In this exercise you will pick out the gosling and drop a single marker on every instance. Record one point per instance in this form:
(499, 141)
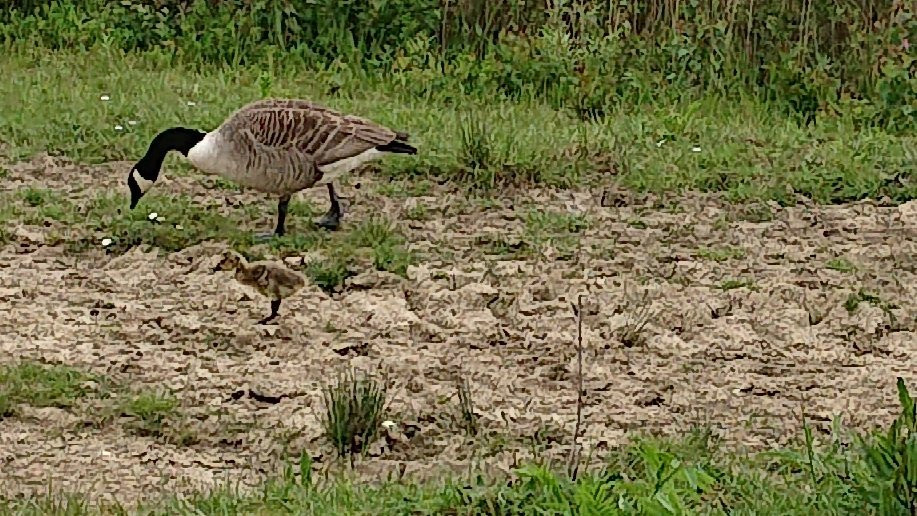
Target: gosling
(272, 280)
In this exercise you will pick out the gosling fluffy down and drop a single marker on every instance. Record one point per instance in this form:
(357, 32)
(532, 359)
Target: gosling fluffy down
(275, 146)
(270, 279)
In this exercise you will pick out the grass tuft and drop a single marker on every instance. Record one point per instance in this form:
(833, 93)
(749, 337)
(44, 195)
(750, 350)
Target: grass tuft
(354, 408)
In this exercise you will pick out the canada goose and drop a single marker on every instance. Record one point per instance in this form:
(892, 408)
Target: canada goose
(269, 279)
(276, 146)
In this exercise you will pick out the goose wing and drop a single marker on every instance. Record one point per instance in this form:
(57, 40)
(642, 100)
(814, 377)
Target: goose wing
(321, 134)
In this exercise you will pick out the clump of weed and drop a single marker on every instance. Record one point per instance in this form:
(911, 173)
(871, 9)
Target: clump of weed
(328, 273)
(631, 333)
(841, 265)
(477, 154)
(152, 414)
(36, 197)
(720, 254)
(353, 412)
(862, 296)
(732, 284)
(386, 245)
(417, 212)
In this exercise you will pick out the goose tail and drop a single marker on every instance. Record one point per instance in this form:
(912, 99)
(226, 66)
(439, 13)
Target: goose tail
(397, 146)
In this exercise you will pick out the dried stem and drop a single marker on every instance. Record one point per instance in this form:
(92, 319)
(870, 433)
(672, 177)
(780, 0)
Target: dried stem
(573, 465)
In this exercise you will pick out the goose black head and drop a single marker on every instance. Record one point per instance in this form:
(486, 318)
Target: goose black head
(144, 174)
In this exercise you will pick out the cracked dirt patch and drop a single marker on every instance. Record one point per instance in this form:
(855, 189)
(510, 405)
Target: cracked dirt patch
(695, 312)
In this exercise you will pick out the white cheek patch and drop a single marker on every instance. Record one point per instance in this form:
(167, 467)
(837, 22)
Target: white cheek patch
(144, 184)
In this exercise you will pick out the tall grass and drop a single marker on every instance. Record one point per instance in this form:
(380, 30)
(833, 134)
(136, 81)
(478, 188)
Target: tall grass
(805, 56)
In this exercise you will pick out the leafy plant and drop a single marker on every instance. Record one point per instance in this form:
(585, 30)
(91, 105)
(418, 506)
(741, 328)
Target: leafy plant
(888, 480)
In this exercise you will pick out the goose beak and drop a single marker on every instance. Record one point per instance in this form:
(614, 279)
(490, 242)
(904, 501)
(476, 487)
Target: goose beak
(134, 187)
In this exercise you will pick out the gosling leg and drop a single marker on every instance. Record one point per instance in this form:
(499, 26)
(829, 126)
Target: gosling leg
(275, 306)
(280, 230)
(332, 220)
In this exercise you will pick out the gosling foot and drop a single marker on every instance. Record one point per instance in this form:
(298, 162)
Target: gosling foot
(275, 306)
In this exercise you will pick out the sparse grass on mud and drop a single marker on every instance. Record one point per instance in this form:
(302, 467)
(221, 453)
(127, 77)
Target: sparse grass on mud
(44, 386)
(143, 413)
(844, 473)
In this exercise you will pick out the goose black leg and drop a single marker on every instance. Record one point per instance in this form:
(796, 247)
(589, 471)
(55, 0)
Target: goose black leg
(280, 230)
(332, 220)
(275, 305)
(282, 215)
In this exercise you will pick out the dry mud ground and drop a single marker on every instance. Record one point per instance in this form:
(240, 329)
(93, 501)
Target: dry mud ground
(742, 360)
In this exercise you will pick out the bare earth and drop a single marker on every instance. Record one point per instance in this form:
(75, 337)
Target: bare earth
(744, 361)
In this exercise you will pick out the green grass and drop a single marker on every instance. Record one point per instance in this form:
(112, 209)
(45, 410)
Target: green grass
(841, 265)
(40, 385)
(854, 300)
(477, 139)
(841, 473)
(181, 222)
(720, 254)
(734, 283)
(558, 229)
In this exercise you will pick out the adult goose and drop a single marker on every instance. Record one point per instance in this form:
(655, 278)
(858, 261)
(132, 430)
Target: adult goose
(276, 146)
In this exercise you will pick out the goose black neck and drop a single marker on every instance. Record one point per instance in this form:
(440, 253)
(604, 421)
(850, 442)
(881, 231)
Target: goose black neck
(175, 139)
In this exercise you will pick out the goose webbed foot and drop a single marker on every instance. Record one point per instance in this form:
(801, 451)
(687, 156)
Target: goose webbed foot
(332, 220)
(275, 306)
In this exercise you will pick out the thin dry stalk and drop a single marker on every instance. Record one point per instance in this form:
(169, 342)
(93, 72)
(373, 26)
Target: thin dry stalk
(466, 404)
(574, 460)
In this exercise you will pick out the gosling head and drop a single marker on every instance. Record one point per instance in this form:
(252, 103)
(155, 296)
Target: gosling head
(229, 261)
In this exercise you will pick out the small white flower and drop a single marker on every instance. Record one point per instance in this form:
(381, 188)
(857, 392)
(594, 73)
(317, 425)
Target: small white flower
(119, 128)
(192, 103)
(152, 215)
(131, 122)
(388, 424)
(179, 227)
(160, 219)
(106, 242)
(695, 149)
(660, 142)
(105, 98)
